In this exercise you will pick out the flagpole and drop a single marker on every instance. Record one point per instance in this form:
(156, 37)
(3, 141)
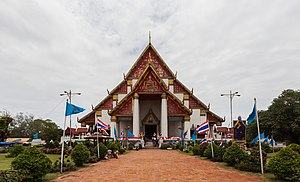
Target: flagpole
(62, 145)
(259, 142)
(98, 141)
(211, 143)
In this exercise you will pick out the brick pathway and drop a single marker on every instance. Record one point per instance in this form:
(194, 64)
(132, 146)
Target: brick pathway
(156, 165)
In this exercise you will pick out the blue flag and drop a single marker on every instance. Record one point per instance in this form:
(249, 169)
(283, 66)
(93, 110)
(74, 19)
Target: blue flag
(262, 135)
(252, 116)
(194, 136)
(130, 135)
(272, 141)
(266, 140)
(115, 132)
(35, 136)
(72, 109)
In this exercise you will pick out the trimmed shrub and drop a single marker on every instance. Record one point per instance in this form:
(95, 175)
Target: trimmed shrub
(80, 154)
(15, 151)
(66, 167)
(165, 146)
(12, 175)
(196, 149)
(33, 162)
(218, 153)
(92, 159)
(112, 146)
(102, 150)
(178, 144)
(294, 147)
(233, 155)
(285, 165)
(252, 162)
(202, 148)
(122, 151)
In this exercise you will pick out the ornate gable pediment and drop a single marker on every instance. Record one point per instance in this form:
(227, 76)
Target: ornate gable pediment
(175, 108)
(149, 82)
(150, 55)
(125, 108)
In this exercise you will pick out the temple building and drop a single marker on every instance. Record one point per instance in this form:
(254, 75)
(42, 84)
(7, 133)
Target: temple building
(150, 99)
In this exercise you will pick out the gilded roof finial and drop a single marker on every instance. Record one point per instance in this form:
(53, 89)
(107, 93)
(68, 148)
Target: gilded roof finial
(149, 37)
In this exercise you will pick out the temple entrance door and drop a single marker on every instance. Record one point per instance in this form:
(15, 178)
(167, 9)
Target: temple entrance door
(149, 131)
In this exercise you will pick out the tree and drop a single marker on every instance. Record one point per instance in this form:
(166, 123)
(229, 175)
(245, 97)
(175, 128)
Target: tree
(282, 117)
(26, 126)
(4, 123)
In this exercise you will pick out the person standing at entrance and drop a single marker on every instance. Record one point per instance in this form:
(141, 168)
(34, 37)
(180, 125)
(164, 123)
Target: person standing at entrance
(154, 139)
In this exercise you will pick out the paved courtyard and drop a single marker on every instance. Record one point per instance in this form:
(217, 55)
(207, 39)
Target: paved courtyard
(156, 165)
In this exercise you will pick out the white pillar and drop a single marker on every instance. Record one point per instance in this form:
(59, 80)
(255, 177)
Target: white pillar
(187, 126)
(136, 115)
(112, 127)
(164, 115)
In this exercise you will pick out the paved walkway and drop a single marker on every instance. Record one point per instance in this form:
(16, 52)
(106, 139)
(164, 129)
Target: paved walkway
(156, 165)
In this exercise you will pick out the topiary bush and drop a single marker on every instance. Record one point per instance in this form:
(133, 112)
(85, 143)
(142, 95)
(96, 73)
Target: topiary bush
(165, 146)
(285, 165)
(12, 175)
(196, 149)
(113, 146)
(15, 151)
(218, 153)
(252, 162)
(80, 154)
(102, 150)
(202, 148)
(233, 155)
(294, 147)
(33, 162)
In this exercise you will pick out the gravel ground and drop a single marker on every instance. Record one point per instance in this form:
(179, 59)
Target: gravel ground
(156, 165)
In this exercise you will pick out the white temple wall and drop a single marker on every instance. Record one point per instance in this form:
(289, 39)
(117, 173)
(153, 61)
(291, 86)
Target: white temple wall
(121, 96)
(195, 117)
(133, 82)
(166, 81)
(179, 96)
(173, 124)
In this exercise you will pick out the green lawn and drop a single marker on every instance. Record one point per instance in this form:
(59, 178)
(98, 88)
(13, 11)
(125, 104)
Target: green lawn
(5, 162)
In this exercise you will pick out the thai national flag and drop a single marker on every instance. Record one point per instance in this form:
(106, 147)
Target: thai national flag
(101, 125)
(203, 128)
(204, 140)
(122, 133)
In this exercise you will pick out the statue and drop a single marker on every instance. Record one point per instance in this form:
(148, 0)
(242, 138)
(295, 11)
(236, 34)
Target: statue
(240, 129)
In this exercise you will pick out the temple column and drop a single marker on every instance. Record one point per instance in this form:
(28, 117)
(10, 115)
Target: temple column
(113, 120)
(187, 126)
(164, 115)
(136, 115)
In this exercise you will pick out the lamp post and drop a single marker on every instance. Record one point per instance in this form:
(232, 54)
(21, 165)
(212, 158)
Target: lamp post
(126, 129)
(231, 95)
(69, 94)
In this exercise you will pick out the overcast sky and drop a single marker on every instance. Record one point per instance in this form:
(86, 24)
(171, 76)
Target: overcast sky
(46, 47)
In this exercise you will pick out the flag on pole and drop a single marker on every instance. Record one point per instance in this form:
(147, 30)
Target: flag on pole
(272, 142)
(122, 134)
(252, 116)
(35, 136)
(194, 136)
(101, 124)
(184, 134)
(72, 109)
(204, 140)
(203, 128)
(115, 132)
(130, 135)
(262, 135)
(266, 140)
